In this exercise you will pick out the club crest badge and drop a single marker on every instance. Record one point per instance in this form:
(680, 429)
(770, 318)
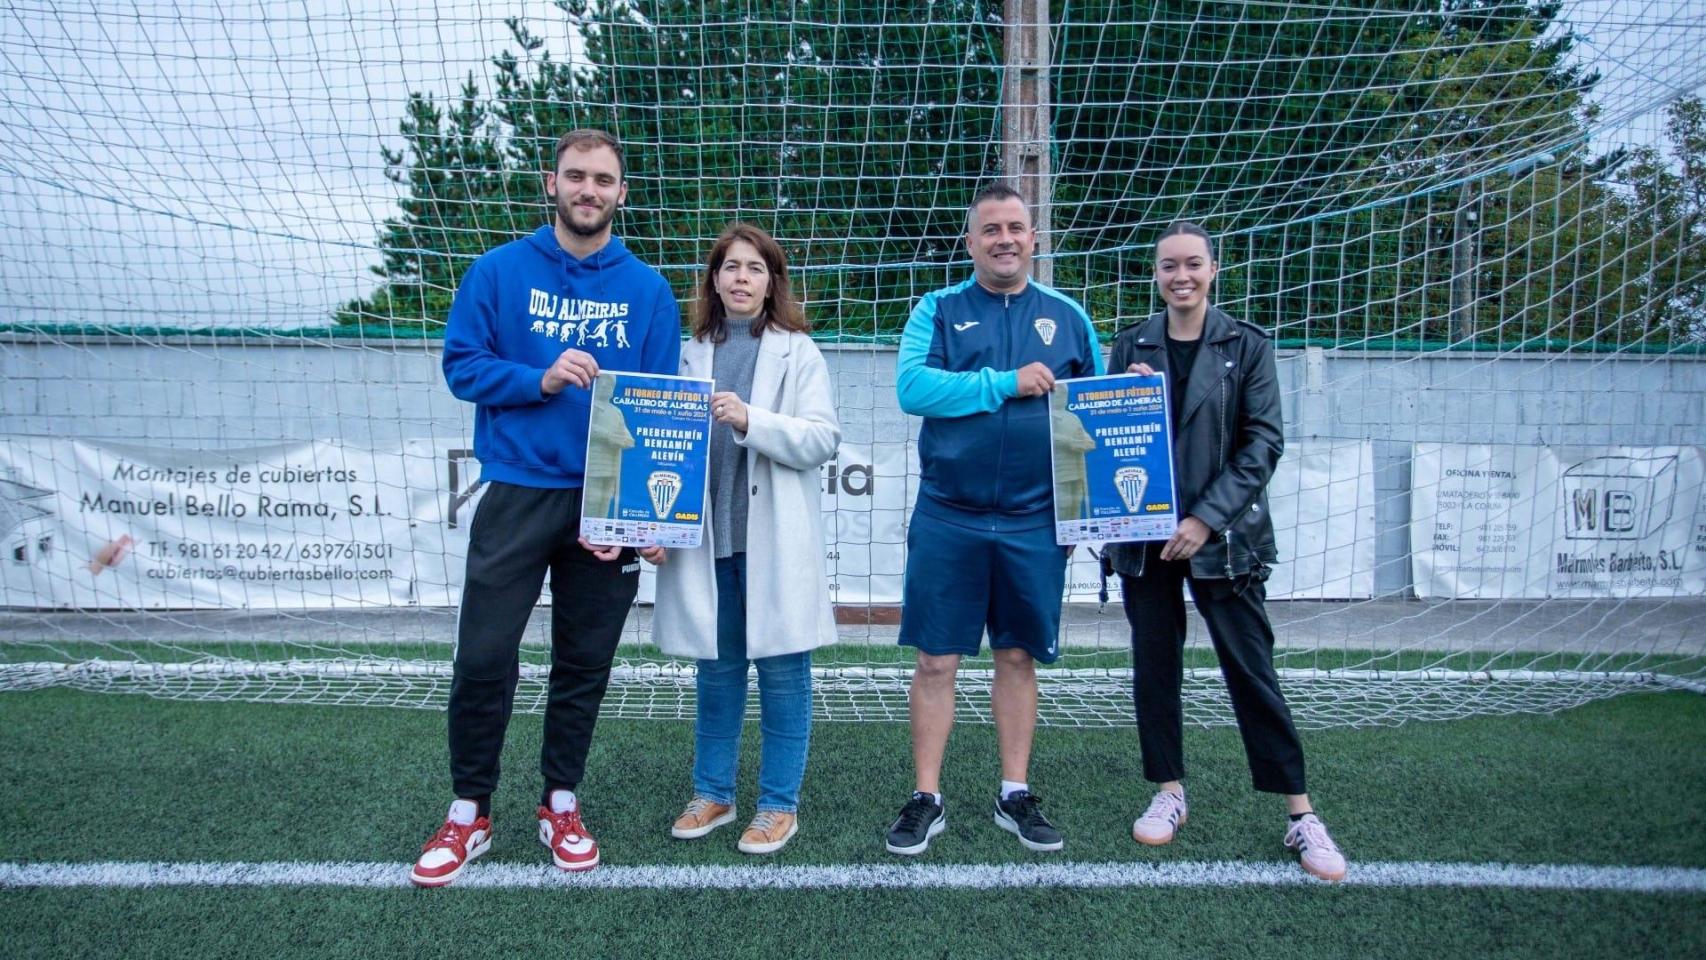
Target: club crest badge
(1045, 329)
(664, 486)
(1131, 483)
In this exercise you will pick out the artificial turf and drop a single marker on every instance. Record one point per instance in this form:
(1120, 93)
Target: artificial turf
(102, 778)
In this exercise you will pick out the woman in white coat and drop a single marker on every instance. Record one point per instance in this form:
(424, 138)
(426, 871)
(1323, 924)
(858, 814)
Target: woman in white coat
(757, 590)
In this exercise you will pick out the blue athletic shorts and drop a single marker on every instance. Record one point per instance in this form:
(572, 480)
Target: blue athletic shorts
(961, 579)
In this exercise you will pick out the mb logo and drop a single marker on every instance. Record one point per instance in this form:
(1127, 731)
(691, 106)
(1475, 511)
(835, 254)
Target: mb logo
(1618, 498)
(1601, 512)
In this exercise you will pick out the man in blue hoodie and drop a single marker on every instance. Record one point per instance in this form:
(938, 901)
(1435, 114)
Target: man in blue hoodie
(532, 324)
(977, 361)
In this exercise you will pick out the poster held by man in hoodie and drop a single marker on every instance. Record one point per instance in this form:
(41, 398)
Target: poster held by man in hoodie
(1112, 455)
(647, 457)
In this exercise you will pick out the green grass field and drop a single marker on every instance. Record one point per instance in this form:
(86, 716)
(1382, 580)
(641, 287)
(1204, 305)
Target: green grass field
(121, 778)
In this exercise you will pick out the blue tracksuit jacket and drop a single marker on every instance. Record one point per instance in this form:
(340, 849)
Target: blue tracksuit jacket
(983, 452)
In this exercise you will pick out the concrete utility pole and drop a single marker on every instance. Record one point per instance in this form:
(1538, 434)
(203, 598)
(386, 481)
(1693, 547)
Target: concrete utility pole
(1025, 155)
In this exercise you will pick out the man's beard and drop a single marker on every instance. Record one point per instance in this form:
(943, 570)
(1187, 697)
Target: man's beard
(563, 217)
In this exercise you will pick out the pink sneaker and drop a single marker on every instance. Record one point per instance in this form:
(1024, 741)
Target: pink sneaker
(1316, 852)
(572, 848)
(1166, 814)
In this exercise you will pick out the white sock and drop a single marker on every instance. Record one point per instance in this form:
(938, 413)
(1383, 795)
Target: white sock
(1010, 787)
(562, 801)
(464, 812)
(935, 796)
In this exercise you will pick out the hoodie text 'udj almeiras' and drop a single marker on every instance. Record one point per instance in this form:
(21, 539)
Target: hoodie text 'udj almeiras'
(518, 308)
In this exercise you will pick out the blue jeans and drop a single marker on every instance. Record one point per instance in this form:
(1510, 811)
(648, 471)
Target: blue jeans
(784, 707)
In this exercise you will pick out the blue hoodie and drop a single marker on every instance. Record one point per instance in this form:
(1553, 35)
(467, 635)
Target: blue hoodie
(518, 308)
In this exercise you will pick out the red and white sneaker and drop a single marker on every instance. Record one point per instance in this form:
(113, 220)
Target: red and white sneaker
(449, 850)
(1316, 852)
(572, 848)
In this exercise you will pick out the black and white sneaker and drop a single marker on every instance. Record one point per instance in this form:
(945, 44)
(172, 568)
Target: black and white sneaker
(1020, 814)
(921, 819)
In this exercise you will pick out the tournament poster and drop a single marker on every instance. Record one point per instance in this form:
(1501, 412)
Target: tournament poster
(647, 460)
(1112, 455)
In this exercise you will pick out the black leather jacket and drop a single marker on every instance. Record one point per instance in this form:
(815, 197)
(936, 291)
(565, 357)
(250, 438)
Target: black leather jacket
(1229, 440)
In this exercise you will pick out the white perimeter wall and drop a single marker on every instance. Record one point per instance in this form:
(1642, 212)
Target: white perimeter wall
(214, 392)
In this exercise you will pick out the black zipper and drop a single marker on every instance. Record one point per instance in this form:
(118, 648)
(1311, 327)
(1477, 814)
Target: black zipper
(1223, 433)
(1001, 451)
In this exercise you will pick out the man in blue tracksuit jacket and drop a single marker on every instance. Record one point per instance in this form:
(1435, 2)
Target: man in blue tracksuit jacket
(532, 324)
(977, 361)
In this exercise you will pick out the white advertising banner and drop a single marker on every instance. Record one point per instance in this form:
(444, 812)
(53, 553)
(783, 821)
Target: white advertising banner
(323, 524)
(1507, 522)
(1322, 498)
(868, 491)
(105, 526)
(439, 536)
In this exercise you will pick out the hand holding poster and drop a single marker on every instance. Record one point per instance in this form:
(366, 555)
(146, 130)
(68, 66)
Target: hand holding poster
(647, 453)
(1112, 454)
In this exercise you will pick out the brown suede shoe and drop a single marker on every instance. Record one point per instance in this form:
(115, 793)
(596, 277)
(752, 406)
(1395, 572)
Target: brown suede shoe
(768, 832)
(701, 817)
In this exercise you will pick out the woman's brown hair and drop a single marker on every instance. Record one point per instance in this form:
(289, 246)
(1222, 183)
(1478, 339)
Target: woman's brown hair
(780, 309)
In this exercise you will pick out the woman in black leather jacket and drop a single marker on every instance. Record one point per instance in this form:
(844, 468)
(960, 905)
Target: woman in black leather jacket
(1227, 438)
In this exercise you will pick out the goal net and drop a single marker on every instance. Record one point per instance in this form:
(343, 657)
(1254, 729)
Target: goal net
(230, 468)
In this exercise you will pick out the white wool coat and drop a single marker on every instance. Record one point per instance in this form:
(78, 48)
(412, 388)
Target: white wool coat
(791, 430)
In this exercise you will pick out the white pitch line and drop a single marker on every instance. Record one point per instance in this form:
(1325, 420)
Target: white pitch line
(858, 876)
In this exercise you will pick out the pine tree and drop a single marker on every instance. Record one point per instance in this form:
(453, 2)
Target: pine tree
(1339, 149)
(460, 203)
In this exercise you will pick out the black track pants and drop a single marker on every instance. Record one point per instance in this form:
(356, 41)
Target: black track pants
(518, 534)
(1243, 640)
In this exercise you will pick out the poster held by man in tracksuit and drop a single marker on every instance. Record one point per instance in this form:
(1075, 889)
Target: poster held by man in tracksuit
(1112, 455)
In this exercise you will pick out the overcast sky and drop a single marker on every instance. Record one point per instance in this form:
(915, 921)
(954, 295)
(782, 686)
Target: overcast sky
(216, 162)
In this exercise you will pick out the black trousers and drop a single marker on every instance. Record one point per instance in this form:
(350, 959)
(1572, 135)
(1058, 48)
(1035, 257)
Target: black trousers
(518, 534)
(1243, 640)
